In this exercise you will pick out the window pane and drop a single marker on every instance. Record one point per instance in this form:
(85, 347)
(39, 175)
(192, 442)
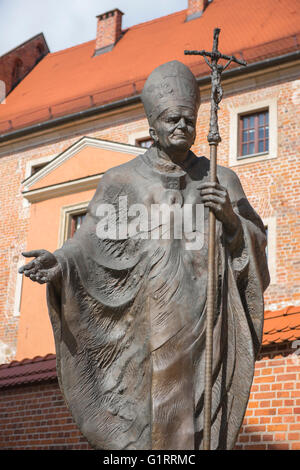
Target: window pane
(245, 136)
(252, 121)
(251, 135)
(261, 133)
(267, 117)
(261, 119)
(244, 149)
(261, 146)
(36, 168)
(267, 132)
(251, 148)
(145, 143)
(76, 222)
(245, 122)
(267, 146)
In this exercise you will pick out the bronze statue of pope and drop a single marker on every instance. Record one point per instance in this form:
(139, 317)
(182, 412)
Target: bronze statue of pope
(129, 313)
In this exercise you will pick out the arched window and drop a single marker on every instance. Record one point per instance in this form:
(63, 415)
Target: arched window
(40, 49)
(17, 72)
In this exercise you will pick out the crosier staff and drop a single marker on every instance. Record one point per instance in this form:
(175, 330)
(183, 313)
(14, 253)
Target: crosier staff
(213, 139)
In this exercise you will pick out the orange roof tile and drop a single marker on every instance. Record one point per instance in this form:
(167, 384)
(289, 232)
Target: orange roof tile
(28, 371)
(72, 79)
(282, 325)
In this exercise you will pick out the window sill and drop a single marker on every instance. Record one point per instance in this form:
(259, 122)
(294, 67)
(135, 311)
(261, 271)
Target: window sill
(252, 155)
(257, 157)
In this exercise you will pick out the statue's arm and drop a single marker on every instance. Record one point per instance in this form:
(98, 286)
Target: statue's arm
(248, 241)
(240, 203)
(229, 203)
(43, 269)
(47, 267)
(221, 198)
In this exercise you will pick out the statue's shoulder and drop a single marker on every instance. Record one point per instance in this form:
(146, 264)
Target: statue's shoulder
(118, 178)
(230, 180)
(226, 176)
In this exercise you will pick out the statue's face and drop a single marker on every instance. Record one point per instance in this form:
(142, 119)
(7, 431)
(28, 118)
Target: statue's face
(175, 129)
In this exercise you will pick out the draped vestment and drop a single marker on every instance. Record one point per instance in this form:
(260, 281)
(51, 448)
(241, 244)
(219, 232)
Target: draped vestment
(129, 316)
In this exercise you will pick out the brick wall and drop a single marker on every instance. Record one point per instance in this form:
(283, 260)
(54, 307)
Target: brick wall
(272, 420)
(35, 417)
(20, 61)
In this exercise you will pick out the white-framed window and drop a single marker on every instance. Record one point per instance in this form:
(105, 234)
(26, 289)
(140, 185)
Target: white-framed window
(271, 228)
(33, 166)
(145, 143)
(253, 132)
(140, 139)
(18, 290)
(253, 138)
(72, 217)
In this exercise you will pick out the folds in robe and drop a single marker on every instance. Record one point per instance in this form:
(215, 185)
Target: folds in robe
(129, 317)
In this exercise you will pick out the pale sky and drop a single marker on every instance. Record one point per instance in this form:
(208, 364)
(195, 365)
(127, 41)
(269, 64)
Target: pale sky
(66, 23)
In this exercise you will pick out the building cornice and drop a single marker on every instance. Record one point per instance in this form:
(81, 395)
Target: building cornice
(62, 189)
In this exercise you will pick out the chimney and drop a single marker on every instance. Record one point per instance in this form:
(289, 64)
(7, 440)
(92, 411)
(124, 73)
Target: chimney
(109, 31)
(196, 8)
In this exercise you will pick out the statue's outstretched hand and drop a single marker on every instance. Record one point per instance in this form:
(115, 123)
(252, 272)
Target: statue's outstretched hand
(44, 268)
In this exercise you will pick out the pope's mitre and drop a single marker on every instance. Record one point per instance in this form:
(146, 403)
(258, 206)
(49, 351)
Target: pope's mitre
(170, 84)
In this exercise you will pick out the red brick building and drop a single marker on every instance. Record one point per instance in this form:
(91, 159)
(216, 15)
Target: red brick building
(16, 64)
(77, 113)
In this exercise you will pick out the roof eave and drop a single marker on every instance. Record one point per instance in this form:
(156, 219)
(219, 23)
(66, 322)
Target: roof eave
(230, 73)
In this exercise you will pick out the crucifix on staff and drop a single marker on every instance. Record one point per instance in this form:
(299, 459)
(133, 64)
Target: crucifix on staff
(214, 139)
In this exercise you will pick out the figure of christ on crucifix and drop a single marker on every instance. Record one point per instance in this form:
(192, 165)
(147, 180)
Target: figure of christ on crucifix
(129, 314)
(216, 86)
